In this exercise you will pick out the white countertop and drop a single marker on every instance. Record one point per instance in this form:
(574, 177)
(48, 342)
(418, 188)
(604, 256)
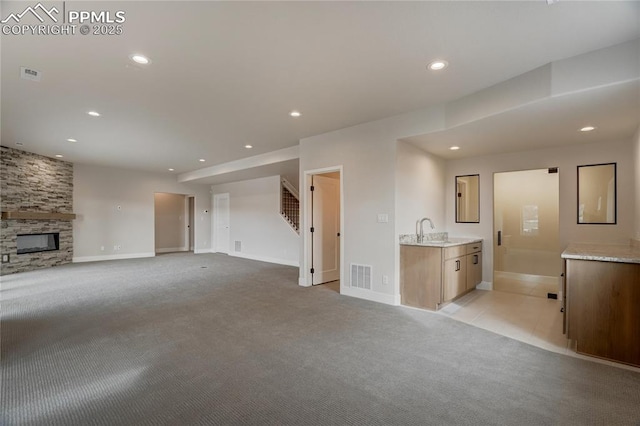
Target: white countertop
(603, 252)
(450, 242)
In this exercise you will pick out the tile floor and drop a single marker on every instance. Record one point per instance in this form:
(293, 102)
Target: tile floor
(533, 320)
(530, 319)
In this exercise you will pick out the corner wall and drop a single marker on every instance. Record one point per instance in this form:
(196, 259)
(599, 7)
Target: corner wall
(115, 208)
(255, 222)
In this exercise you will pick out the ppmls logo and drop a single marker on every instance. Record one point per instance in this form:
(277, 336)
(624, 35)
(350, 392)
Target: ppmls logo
(33, 11)
(40, 20)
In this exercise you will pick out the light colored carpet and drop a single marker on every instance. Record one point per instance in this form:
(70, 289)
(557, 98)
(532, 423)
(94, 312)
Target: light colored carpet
(186, 339)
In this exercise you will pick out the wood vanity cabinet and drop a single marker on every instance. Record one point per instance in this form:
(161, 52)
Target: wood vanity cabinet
(431, 276)
(474, 265)
(602, 311)
(455, 272)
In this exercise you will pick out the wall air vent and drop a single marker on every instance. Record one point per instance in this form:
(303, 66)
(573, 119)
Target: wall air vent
(238, 246)
(30, 74)
(361, 276)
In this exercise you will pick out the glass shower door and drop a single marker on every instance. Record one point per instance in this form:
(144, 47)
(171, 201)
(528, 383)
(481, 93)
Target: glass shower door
(526, 225)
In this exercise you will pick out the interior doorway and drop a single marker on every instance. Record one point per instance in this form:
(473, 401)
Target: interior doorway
(324, 207)
(221, 233)
(526, 224)
(173, 222)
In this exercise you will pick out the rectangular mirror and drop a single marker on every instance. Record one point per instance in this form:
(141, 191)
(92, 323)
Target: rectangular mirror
(468, 199)
(597, 194)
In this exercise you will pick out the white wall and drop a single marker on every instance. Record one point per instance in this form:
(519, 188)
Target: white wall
(420, 185)
(567, 158)
(170, 222)
(100, 225)
(367, 154)
(255, 221)
(636, 142)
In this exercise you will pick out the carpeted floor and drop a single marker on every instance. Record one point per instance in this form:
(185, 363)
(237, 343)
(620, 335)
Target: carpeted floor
(207, 339)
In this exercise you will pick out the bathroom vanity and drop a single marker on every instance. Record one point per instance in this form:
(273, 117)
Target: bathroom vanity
(433, 273)
(602, 300)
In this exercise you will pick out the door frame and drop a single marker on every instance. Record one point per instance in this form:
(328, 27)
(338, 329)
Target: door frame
(214, 220)
(305, 278)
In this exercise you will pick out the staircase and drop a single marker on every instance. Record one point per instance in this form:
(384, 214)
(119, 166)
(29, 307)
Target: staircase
(290, 204)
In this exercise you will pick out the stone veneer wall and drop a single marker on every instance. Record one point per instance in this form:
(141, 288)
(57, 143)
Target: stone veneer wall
(34, 183)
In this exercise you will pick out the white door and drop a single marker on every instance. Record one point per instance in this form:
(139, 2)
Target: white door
(221, 219)
(325, 221)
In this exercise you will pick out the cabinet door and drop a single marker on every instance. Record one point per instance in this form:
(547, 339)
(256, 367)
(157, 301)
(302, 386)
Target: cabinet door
(474, 270)
(455, 277)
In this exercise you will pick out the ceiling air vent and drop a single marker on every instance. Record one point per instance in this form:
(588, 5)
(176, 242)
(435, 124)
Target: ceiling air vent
(30, 74)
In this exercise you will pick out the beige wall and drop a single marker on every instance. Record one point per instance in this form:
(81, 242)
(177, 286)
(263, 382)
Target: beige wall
(101, 225)
(636, 142)
(170, 222)
(567, 158)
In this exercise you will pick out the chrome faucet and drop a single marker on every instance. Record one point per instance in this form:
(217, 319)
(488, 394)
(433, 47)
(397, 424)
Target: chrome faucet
(420, 232)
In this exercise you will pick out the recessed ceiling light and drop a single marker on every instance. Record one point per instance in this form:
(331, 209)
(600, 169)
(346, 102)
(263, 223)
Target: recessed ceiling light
(587, 129)
(438, 65)
(171, 170)
(295, 113)
(454, 148)
(248, 146)
(94, 113)
(202, 160)
(139, 59)
(59, 156)
(71, 140)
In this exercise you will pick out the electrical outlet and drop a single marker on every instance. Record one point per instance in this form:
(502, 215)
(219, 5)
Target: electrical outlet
(5, 258)
(101, 248)
(385, 279)
(383, 218)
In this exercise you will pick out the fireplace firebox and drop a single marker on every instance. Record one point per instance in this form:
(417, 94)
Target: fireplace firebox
(34, 243)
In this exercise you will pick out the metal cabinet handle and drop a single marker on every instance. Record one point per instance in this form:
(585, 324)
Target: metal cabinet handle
(457, 265)
(499, 238)
(475, 259)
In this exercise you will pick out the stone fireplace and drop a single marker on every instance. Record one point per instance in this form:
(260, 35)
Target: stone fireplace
(36, 200)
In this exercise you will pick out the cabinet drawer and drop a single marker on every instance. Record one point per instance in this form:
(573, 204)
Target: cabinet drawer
(455, 251)
(474, 247)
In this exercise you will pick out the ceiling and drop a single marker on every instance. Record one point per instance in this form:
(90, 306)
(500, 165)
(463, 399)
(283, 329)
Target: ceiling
(553, 121)
(227, 74)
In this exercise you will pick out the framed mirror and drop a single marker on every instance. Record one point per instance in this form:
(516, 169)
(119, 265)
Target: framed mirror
(597, 189)
(468, 199)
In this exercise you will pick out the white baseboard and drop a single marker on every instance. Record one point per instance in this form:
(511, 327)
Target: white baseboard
(485, 285)
(302, 282)
(201, 251)
(374, 296)
(171, 249)
(111, 257)
(264, 258)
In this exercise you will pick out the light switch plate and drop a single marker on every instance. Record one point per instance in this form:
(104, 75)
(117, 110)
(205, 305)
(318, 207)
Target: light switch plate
(383, 218)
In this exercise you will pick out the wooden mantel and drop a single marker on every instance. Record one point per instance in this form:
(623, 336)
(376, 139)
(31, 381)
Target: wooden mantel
(38, 215)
